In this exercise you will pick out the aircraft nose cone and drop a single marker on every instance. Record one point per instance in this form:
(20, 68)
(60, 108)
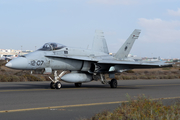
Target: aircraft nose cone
(17, 63)
(9, 64)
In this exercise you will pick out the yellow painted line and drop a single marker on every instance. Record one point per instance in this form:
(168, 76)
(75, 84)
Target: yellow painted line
(168, 98)
(77, 105)
(37, 89)
(83, 88)
(149, 85)
(22, 90)
(65, 106)
(159, 85)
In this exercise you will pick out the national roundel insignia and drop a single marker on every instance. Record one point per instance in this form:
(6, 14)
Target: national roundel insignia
(125, 48)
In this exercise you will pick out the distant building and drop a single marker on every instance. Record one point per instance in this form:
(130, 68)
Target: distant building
(11, 53)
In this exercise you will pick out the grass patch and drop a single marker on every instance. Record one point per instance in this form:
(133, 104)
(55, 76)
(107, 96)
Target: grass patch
(25, 77)
(166, 68)
(129, 71)
(142, 108)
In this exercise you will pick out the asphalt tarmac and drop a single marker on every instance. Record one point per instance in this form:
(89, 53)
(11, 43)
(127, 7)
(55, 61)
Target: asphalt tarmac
(35, 100)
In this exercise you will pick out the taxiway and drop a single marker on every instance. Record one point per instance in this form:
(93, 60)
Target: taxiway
(35, 100)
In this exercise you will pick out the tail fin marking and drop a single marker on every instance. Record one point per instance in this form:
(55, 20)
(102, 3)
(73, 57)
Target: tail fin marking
(123, 52)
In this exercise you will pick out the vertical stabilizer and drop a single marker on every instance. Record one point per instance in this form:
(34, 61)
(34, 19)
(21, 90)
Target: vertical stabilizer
(99, 43)
(126, 47)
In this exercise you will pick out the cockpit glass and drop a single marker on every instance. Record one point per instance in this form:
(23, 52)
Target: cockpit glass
(52, 46)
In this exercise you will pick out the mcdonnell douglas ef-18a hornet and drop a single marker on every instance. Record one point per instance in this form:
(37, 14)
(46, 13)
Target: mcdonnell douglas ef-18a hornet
(84, 65)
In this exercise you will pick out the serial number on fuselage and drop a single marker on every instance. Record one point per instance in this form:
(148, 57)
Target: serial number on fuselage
(36, 62)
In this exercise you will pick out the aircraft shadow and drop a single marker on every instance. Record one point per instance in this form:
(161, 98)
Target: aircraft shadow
(100, 87)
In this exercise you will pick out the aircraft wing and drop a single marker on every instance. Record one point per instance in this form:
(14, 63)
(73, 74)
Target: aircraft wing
(85, 58)
(112, 62)
(133, 64)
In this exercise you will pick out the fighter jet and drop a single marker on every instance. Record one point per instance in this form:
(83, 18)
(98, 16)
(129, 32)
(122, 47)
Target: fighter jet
(84, 65)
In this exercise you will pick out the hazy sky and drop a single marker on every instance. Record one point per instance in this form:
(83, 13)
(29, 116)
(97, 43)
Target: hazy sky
(31, 23)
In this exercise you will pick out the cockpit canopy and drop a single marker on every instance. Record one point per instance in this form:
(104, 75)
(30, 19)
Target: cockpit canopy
(51, 46)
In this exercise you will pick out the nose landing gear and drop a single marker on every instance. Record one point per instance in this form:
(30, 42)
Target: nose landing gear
(55, 84)
(52, 85)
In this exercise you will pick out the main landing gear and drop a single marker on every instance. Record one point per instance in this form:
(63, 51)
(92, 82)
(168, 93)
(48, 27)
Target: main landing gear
(113, 83)
(55, 84)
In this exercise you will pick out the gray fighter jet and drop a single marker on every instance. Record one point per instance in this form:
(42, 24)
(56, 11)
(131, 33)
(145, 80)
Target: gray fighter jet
(84, 65)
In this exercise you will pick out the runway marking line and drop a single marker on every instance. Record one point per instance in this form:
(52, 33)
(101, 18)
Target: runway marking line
(158, 85)
(150, 85)
(21, 90)
(81, 88)
(77, 105)
(36, 89)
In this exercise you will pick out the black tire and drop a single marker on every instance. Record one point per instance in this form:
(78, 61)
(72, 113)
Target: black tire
(113, 83)
(78, 84)
(58, 85)
(52, 85)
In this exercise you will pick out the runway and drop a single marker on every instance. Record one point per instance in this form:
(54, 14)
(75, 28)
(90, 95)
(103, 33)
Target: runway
(35, 100)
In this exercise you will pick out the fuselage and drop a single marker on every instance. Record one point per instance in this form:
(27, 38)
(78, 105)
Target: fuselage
(38, 60)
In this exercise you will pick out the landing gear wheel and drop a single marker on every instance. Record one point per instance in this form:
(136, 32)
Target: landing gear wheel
(113, 83)
(52, 85)
(78, 84)
(58, 85)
